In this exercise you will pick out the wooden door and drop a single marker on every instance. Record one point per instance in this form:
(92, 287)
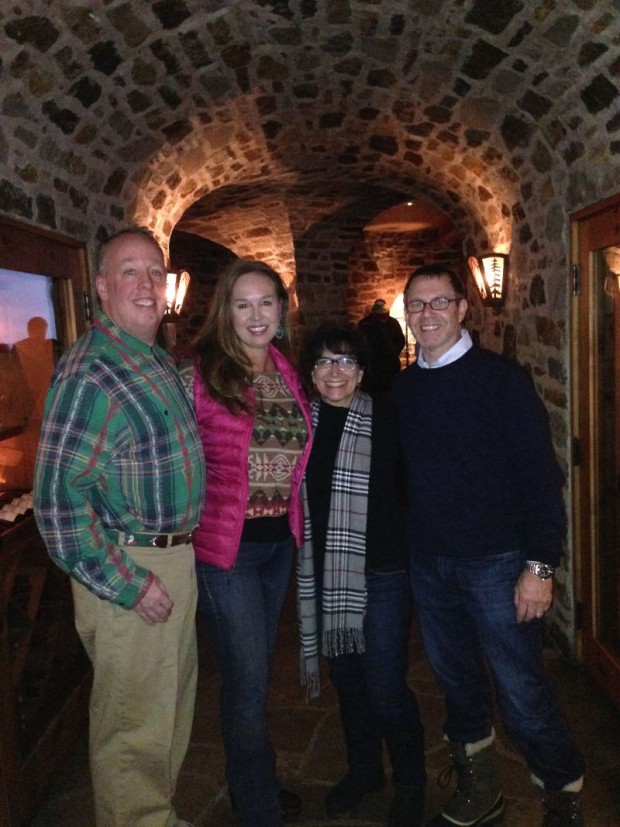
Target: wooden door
(44, 672)
(596, 400)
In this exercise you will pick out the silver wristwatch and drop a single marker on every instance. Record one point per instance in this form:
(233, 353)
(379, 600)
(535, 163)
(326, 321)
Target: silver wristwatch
(541, 570)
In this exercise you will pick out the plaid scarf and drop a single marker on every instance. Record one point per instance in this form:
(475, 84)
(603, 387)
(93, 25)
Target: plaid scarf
(344, 579)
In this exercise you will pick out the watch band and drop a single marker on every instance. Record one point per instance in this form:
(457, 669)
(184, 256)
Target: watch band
(541, 570)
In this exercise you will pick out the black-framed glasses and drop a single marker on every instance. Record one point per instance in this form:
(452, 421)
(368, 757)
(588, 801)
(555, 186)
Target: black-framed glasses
(345, 363)
(438, 303)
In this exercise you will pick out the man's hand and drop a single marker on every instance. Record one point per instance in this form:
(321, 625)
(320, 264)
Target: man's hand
(533, 596)
(155, 606)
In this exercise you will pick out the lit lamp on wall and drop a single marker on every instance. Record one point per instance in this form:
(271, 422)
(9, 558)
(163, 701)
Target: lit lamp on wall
(490, 273)
(612, 260)
(176, 290)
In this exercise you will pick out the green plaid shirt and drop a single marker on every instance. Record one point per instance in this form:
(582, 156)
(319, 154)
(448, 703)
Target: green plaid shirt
(119, 450)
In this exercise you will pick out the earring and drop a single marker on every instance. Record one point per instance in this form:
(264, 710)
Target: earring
(279, 331)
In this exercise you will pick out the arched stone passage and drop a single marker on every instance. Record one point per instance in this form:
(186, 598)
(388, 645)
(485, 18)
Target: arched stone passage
(297, 119)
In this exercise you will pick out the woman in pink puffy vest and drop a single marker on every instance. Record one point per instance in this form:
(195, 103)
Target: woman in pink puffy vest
(254, 422)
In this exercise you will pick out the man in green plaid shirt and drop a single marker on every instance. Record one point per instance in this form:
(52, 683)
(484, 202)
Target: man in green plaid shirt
(119, 487)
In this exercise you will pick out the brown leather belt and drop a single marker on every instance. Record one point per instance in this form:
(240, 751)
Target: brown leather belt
(155, 540)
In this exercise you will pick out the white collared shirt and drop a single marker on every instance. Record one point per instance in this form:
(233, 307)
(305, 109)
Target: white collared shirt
(457, 350)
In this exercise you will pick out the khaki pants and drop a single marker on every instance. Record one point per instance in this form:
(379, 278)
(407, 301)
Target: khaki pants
(142, 701)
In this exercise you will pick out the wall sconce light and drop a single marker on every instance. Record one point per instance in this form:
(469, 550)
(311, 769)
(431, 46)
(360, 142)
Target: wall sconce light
(490, 273)
(612, 260)
(176, 290)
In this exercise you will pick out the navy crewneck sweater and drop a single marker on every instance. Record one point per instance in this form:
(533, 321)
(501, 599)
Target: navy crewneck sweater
(482, 475)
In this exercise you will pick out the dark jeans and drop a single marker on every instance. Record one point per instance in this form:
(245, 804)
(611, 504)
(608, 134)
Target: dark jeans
(375, 700)
(467, 617)
(241, 609)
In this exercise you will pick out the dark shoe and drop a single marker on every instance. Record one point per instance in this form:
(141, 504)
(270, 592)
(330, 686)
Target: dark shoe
(290, 805)
(562, 809)
(407, 810)
(350, 790)
(478, 798)
(493, 817)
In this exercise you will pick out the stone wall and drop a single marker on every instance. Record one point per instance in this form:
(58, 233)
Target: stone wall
(278, 130)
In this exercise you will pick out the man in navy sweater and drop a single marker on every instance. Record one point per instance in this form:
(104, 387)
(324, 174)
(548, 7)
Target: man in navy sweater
(485, 530)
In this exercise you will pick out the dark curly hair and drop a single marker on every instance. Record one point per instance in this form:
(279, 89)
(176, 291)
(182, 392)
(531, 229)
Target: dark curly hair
(342, 340)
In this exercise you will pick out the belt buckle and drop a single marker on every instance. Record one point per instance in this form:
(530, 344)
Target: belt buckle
(160, 541)
(126, 539)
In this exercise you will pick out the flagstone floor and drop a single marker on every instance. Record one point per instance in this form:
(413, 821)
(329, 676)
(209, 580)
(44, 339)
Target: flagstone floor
(311, 756)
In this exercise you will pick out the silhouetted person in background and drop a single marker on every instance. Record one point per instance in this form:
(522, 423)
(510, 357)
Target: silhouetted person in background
(35, 356)
(385, 340)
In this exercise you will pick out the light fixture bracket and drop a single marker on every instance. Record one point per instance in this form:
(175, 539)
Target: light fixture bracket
(490, 273)
(176, 290)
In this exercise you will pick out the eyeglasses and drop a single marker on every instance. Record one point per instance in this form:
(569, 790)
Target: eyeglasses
(438, 303)
(345, 363)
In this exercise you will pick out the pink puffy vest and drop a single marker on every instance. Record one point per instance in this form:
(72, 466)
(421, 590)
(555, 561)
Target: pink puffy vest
(226, 440)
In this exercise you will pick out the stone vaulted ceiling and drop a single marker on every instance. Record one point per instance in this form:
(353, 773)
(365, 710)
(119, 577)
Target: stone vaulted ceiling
(280, 129)
(191, 110)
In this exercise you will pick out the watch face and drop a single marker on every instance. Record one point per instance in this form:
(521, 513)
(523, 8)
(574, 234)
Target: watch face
(541, 570)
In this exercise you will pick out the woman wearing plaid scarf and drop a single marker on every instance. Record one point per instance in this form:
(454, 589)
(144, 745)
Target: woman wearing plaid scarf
(352, 580)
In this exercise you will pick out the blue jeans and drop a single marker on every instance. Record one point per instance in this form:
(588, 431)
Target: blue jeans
(374, 698)
(468, 621)
(241, 609)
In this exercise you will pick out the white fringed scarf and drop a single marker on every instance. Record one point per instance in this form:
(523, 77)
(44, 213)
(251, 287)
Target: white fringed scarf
(344, 579)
